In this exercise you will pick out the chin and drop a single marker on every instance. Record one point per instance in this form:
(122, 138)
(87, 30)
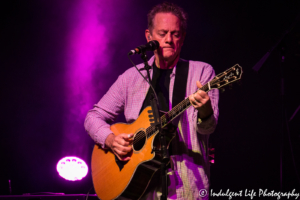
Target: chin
(169, 57)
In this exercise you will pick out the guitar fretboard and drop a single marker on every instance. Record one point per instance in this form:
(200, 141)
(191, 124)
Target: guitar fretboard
(175, 112)
(230, 75)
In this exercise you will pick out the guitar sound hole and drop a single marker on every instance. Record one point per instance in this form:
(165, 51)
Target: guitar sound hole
(139, 140)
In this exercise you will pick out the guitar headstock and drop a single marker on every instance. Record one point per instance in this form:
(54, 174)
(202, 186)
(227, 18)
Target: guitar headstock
(229, 76)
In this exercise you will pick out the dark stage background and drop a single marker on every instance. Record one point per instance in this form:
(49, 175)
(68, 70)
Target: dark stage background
(59, 57)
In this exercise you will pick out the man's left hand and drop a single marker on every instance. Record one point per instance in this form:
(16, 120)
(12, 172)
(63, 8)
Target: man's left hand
(201, 101)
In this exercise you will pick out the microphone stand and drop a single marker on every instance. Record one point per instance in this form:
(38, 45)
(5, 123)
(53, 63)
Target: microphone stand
(157, 123)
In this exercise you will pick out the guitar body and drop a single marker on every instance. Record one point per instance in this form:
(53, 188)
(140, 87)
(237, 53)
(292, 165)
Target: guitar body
(130, 179)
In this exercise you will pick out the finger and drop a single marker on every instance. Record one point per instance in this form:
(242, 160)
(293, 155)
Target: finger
(193, 100)
(122, 158)
(129, 138)
(125, 135)
(119, 152)
(124, 139)
(130, 135)
(121, 155)
(197, 99)
(118, 156)
(126, 159)
(201, 94)
(126, 149)
(123, 148)
(123, 151)
(121, 142)
(199, 85)
(201, 97)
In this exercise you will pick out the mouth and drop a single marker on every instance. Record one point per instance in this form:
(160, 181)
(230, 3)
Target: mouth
(168, 48)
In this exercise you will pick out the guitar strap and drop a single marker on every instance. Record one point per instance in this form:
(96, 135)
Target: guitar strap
(179, 89)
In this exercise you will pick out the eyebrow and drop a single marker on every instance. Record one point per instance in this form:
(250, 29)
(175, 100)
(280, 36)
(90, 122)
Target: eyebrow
(165, 31)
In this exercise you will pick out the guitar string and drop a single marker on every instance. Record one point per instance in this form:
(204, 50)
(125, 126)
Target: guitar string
(205, 87)
(175, 111)
(150, 130)
(184, 104)
(178, 108)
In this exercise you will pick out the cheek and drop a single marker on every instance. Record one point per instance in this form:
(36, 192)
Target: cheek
(178, 43)
(178, 46)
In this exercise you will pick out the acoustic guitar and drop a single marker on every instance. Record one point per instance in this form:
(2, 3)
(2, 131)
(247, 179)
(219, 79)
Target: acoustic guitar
(113, 178)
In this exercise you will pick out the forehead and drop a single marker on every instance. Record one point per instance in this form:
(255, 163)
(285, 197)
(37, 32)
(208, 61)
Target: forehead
(166, 21)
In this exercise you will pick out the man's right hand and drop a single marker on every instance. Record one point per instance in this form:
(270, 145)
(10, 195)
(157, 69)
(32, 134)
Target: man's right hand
(120, 145)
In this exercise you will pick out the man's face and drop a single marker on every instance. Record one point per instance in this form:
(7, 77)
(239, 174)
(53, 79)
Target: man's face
(166, 30)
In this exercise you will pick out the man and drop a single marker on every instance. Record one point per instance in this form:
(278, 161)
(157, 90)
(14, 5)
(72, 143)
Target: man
(130, 94)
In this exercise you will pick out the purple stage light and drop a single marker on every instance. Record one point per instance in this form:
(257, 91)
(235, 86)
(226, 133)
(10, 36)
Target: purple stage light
(72, 168)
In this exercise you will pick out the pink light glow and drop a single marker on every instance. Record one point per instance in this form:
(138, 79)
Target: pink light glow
(85, 52)
(94, 26)
(72, 168)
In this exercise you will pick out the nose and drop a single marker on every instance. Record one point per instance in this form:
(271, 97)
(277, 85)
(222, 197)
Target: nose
(169, 38)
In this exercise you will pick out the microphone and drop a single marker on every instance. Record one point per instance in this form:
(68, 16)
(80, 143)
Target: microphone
(150, 46)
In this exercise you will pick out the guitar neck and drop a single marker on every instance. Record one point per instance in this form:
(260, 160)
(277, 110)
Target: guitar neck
(229, 76)
(180, 108)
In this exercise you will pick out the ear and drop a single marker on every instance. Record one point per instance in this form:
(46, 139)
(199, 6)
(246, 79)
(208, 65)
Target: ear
(148, 35)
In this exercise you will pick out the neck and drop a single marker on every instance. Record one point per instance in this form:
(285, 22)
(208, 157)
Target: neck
(164, 64)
